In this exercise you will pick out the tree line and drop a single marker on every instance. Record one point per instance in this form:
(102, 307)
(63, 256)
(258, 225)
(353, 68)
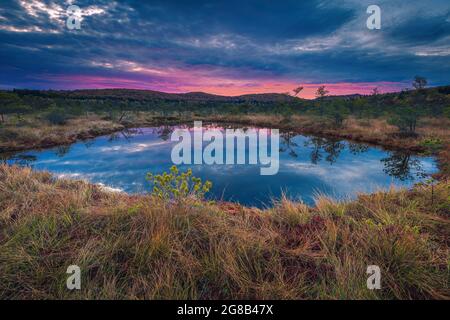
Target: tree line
(403, 109)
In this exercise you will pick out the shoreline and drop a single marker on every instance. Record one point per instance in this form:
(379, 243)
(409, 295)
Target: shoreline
(399, 144)
(92, 134)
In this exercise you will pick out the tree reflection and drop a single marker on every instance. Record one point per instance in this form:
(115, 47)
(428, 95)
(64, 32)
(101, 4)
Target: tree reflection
(287, 144)
(89, 143)
(22, 160)
(333, 150)
(321, 146)
(401, 165)
(61, 151)
(316, 143)
(164, 132)
(127, 134)
(113, 137)
(357, 148)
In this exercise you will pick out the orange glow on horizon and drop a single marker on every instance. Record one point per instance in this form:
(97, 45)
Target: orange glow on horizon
(183, 83)
(309, 91)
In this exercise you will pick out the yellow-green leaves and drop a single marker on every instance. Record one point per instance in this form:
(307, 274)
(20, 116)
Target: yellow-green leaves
(178, 185)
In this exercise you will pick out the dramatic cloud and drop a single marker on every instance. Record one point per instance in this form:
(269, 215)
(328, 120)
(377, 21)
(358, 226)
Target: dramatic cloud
(225, 47)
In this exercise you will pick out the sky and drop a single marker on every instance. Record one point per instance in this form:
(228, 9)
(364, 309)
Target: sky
(224, 47)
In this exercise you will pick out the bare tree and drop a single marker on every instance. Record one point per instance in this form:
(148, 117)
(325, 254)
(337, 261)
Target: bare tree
(321, 92)
(419, 82)
(297, 90)
(375, 91)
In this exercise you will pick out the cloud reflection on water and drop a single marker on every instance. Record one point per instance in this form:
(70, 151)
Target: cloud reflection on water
(308, 165)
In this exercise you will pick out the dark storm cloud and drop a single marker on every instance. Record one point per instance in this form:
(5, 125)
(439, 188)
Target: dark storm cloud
(422, 29)
(259, 19)
(186, 44)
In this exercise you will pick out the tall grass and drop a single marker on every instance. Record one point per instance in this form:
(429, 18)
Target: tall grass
(142, 247)
(34, 132)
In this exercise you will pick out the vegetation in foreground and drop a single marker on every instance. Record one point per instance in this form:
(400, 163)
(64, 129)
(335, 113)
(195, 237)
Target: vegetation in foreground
(133, 247)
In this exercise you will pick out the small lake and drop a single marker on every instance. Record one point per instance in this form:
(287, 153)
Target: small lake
(308, 166)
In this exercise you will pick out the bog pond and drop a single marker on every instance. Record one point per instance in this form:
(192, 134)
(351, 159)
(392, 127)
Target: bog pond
(308, 166)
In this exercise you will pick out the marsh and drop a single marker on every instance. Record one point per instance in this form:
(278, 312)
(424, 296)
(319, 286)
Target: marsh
(308, 166)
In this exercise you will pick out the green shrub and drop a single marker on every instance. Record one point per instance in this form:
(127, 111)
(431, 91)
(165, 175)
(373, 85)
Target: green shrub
(447, 112)
(432, 145)
(56, 116)
(177, 185)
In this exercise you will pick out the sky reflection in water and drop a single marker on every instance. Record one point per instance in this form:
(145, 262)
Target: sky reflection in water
(308, 166)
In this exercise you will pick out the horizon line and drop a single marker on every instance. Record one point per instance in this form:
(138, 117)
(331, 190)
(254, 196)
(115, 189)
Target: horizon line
(215, 94)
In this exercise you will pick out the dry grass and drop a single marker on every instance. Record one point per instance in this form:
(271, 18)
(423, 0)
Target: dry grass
(371, 131)
(374, 131)
(32, 133)
(139, 247)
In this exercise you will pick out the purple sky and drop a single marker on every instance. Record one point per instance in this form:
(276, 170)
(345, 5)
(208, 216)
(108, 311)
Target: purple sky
(224, 47)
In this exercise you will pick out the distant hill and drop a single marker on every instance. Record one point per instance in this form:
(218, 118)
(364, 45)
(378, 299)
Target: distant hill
(151, 95)
(145, 95)
(433, 102)
(430, 92)
(342, 97)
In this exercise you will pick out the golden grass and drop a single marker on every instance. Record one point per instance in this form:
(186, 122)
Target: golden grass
(140, 247)
(371, 131)
(33, 133)
(374, 131)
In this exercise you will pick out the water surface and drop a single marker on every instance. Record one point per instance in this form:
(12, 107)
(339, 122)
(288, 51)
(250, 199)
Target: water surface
(308, 166)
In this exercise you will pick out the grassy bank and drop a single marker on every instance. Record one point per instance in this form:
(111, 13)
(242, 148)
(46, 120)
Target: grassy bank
(432, 137)
(143, 247)
(32, 133)
(372, 131)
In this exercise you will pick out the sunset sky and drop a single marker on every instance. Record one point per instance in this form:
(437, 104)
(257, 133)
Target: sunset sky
(224, 47)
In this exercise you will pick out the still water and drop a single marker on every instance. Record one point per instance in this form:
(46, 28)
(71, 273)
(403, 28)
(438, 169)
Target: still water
(308, 166)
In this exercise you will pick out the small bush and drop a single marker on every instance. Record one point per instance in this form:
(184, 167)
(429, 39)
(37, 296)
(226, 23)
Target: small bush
(447, 112)
(432, 145)
(56, 116)
(177, 185)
